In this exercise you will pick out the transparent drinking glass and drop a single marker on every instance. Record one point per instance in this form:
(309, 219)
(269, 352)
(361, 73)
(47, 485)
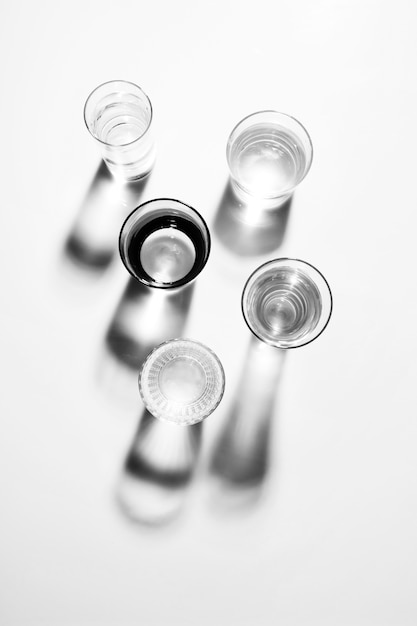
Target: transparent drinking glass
(287, 303)
(182, 381)
(164, 243)
(118, 114)
(269, 154)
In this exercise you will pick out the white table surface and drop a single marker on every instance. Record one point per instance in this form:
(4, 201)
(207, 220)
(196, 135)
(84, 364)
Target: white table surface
(332, 541)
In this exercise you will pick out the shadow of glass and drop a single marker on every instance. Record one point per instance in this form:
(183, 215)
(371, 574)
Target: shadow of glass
(158, 471)
(241, 458)
(246, 229)
(92, 241)
(144, 318)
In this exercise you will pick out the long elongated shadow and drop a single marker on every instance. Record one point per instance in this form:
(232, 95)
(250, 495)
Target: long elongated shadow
(248, 230)
(241, 457)
(144, 318)
(158, 470)
(92, 241)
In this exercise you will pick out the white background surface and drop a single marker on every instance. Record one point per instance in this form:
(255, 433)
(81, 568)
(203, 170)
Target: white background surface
(333, 542)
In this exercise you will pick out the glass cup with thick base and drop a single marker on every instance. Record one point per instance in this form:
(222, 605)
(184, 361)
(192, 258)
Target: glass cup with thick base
(164, 243)
(182, 382)
(287, 303)
(269, 154)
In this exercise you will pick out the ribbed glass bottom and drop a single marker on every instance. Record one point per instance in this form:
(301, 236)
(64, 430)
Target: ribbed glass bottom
(181, 381)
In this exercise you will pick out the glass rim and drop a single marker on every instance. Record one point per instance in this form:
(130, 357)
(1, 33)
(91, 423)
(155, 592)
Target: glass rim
(271, 262)
(120, 145)
(285, 115)
(200, 345)
(181, 282)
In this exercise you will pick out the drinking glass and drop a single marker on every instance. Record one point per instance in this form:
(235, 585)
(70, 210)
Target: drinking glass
(118, 114)
(164, 243)
(181, 381)
(287, 303)
(268, 153)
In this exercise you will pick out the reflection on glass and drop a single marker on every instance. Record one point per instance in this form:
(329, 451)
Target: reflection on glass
(181, 382)
(145, 318)
(269, 154)
(92, 242)
(164, 243)
(287, 303)
(118, 114)
(241, 456)
(158, 470)
(245, 228)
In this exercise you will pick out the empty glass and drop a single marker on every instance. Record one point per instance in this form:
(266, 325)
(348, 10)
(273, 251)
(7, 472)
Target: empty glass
(269, 154)
(164, 243)
(287, 303)
(118, 115)
(181, 381)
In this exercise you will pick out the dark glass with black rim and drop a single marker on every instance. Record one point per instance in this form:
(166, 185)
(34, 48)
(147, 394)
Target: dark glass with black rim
(164, 243)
